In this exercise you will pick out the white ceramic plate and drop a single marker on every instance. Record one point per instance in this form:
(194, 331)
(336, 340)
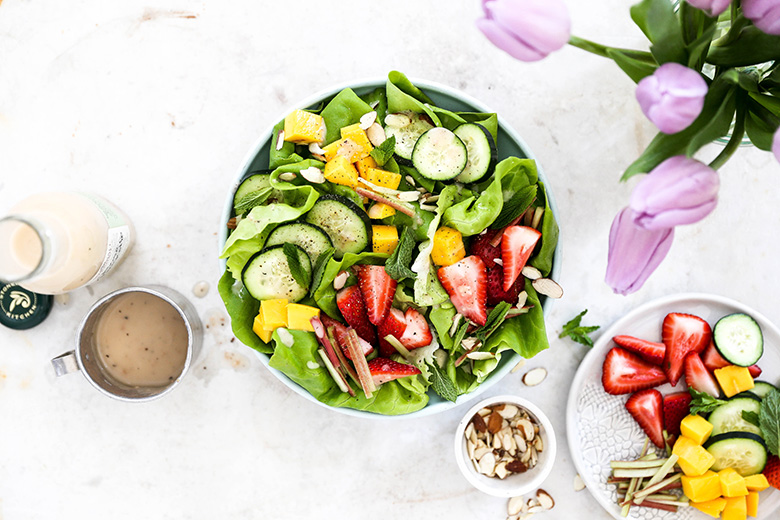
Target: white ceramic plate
(600, 429)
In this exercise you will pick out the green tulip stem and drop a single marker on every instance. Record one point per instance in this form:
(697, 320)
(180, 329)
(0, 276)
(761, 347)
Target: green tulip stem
(737, 24)
(734, 142)
(587, 45)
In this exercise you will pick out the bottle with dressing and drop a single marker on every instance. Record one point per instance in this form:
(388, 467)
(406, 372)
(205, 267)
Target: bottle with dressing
(52, 243)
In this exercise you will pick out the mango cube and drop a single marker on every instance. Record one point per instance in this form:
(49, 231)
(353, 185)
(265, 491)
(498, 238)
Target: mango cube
(339, 170)
(732, 484)
(357, 135)
(274, 313)
(733, 379)
(696, 428)
(693, 459)
(736, 509)
(448, 246)
(299, 316)
(379, 211)
(303, 127)
(757, 482)
(385, 239)
(703, 488)
(752, 503)
(382, 178)
(711, 507)
(346, 148)
(259, 329)
(364, 164)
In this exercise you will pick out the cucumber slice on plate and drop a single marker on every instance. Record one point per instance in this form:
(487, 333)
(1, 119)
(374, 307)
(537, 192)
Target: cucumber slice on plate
(254, 191)
(482, 151)
(439, 155)
(762, 388)
(308, 237)
(727, 418)
(744, 452)
(738, 339)
(267, 275)
(407, 127)
(347, 225)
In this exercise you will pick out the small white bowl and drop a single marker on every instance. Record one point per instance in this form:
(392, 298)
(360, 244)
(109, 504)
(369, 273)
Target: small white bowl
(516, 484)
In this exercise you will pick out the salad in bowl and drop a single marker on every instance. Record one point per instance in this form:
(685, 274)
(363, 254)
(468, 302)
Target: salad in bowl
(387, 252)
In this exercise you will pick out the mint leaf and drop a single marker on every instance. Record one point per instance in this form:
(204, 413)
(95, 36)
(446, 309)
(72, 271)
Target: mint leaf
(578, 333)
(769, 417)
(494, 320)
(460, 334)
(319, 267)
(252, 200)
(751, 417)
(384, 151)
(515, 207)
(703, 402)
(297, 271)
(397, 265)
(442, 384)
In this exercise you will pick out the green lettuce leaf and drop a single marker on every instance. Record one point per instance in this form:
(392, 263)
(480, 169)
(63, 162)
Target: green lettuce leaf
(242, 309)
(544, 258)
(525, 334)
(286, 154)
(427, 288)
(343, 110)
(402, 95)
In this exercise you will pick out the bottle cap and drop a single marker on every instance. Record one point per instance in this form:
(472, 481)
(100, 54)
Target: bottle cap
(22, 309)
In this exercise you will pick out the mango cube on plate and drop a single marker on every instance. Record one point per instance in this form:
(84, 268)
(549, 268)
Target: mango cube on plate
(703, 488)
(385, 239)
(274, 313)
(382, 178)
(364, 164)
(259, 328)
(693, 459)
(711, 507)
(448, 246)
(357, 135)
(301, 127)
(733, 379)
(757, 482)
(299, 316)
(340, 170)
(751, 503)
(696, 428)
(736, 508)
(379, 211)
(732, 484)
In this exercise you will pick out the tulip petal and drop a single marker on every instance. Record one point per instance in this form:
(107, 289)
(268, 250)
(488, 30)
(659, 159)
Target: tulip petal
(672, 97)
(776, 145)
(542, 24)
(765, 14)
(634, 253)
(712, 7)
(507, 42)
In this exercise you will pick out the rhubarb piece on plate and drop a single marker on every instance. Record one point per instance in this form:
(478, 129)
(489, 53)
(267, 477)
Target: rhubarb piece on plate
(682, 334)
(624, 372)
(646, 407)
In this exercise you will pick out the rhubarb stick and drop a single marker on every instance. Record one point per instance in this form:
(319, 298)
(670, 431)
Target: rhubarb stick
(361, 365)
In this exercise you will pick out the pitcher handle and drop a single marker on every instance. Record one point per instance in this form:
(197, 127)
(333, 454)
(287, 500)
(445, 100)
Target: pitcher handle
(65, 363)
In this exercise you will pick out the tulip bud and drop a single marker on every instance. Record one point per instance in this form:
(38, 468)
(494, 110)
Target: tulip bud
(776, 145)
(672, 98)
(528, 30)
(765, 14)
(634, 253)
(678, 191)
(711, 7)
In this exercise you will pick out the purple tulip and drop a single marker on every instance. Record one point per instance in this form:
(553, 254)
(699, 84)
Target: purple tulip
(711, 7)
(672, 98)
(765, 14)
(678, 191)
(776, 145)
(528, 30)
(634, 252)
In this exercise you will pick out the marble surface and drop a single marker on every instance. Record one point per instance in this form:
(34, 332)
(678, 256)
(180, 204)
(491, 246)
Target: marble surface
(155, 104)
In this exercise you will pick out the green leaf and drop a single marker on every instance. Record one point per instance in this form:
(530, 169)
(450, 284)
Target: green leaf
(550, 231)
(769, 418)
(657, 20)
(771, 103)
(637, 65)
(379, 97)
(494, 320)
(758, 130)
(751, 47)
(698, 48)
(457, 340)
(252, 200)
(319, 267)
(442, 384)
(300, 274)
(397, 265)
(703, 402)
(242, 309)
(751, 417)
(515, 207)
(577, 332)
(384, 152)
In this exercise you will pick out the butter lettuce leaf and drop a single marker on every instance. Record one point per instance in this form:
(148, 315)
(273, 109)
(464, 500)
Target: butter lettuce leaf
(427, 288)
(242, 309)
(544, 258)
(286, 154)
(343, 110)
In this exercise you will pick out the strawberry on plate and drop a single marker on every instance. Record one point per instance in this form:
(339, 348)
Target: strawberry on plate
(517, 244)
(393, 325)
(384, 370)
(417, 332)
(713, 360)
(350, 302)
(465, 282)
(482, 247)
(772, 471)
(676, 408)
(647, 350)
(646, 407)
(682, 334)
(755, 371)
(378, 291)
(698, 377)
(624, 372)
(495, 287)
(340, 332)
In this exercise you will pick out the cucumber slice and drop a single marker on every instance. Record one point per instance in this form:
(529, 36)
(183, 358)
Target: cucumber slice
(762, 388)
(254, 191)
(407, 127)
(738, 339)
(309, 237)
(267, 275)
(727, 418)
(744, 452)
(439, 155)
(347, 225)
(482, 151)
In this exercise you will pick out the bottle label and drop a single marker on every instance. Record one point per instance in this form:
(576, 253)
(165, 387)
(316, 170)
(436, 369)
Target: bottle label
(119, 235)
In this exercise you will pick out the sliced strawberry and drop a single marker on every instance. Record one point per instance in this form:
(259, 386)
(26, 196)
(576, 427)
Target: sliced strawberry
(624, 372)
(698, 377)
(676, 408)
(646, 407)
(517, 244)
(682, 334)
(712, 358)
(495, 287)
(350, 303)
(647, 350)
(417, 333)
(772, 471)
(340, 331)
(384, 370)
(482, 247)
(466, 283)
(378, 291)
(754, 370)
(393, 325)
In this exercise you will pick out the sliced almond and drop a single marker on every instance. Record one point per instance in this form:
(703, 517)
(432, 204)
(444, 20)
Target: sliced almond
(478, 356)
(521, 299)
(313, 365)
(515, 505)
(508, 411)
(469, 430)
(520, 364)
(367, 120)
(522, 446)
(313, 175)
(545, 499)
(517, 466)
(487, 463)
(534, 458)
(535, 509)
(498, 261)
(534, 376)
(285, 336)
(497, 442)
(539, 444)
(537, 218)
(479, 422)
(548, 287)
(287, 176)
(376, 134)
(340, 280)
(494, 423)
(485, 412)
(579, 484)
(531, 272)
(501, 471)
(315, 148)
(479, 452)
(280, 140)
(470, 448)
(527, 428)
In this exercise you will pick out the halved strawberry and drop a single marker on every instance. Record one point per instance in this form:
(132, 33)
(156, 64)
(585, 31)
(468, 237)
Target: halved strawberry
(647, 350)
(624, 372)
(393, 325)
(676, 408)
(712, 358)
(698, 377)
(482, 247)
(465, 282)
(495, 287)
(384, 370)
(646, 407)
(682, 334)
(772, 471)
(417, 333)
(340, 331)
(754, 370)
(378, 291)
(517, 244)
(350, 303)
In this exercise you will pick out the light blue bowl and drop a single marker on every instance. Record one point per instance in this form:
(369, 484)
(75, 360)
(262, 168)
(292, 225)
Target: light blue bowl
(509, 144)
